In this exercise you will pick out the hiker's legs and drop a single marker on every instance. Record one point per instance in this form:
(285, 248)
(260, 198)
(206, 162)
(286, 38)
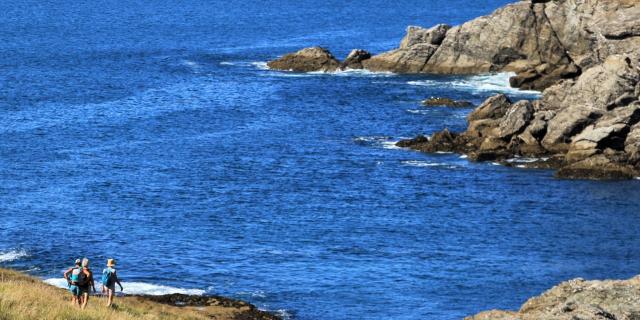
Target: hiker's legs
(75, 295)
(85, 299)
(110, 296)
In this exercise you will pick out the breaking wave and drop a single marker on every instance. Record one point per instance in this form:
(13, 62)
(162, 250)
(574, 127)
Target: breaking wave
(494, 82)
(137, 288)
(13, 255)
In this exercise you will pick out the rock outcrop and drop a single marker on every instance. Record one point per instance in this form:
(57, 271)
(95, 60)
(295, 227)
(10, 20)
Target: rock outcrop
(318, 59)
(588, 127)
(355, 58)
(578, 299)
(542, 41)
(307, 60)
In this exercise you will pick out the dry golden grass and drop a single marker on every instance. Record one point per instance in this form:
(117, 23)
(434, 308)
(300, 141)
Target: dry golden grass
(26, 298)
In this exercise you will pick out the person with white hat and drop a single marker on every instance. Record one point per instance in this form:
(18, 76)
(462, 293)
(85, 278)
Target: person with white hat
(109, 280)
(72, 275)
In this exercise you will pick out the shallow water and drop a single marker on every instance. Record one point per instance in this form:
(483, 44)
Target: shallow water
(153, 134)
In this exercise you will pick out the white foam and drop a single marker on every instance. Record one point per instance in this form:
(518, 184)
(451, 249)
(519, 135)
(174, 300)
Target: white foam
(283, 314)
(260, 65)
(190, 63)
(526, 160)
(417, 163)
(383, 141)
(424, 111)
(495, 163)
(355, 72)
(492, 82)
(253, 294)
(391, 145)
(136, 288)
(13, 255)
(227, 63)
(464, 156)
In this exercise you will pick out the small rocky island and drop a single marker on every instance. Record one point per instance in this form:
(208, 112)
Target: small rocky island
(583, 55)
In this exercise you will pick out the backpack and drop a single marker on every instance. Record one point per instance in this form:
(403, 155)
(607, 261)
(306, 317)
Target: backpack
(83, 279)
(108, 276)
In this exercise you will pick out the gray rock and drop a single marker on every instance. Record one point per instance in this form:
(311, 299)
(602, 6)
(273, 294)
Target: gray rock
(419, 35)
(355, 58)
(494, 107)
(517, 118)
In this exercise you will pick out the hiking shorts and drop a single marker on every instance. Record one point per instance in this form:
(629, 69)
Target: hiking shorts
(83, 290)
(75, 290)
(111, 286)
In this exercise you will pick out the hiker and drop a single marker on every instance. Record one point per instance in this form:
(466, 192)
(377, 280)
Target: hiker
(85, 281)
(72, 276)
(109, 280)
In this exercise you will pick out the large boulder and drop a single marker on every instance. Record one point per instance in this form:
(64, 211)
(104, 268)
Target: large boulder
(306, 60)
(608, 132)
(494, 107)
(578, 299)
(517, 118)
(415, 50)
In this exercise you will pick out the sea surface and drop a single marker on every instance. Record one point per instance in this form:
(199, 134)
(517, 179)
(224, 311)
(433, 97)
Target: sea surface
(152, 132)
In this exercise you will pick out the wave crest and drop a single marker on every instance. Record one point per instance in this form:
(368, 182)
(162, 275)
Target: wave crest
(137, 288)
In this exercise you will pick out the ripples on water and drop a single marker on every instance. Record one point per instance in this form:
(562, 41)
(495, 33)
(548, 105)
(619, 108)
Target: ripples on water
(154, 134)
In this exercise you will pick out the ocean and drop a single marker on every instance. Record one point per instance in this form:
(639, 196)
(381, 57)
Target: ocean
(151, 132)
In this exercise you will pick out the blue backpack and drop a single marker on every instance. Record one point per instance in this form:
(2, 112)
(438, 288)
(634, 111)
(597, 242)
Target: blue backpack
(108, 276)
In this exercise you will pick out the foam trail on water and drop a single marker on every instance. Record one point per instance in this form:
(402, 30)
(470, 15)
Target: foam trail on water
(494, 82)
(417, 163)
(13, 255)
(136, 288)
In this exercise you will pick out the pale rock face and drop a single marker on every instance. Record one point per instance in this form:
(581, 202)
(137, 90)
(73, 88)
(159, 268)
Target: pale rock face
(419, 35)
(415, 50)
(517, 118)
(578, 299)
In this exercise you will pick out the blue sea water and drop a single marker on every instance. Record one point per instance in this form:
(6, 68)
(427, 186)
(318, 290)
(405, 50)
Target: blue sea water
(151, 132)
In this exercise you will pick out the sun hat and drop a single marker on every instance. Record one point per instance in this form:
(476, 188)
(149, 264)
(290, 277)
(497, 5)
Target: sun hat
(111, 262)
(78, 261)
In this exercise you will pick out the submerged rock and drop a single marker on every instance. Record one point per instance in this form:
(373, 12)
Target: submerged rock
(306, 60)
(446, 102)
(578, 299)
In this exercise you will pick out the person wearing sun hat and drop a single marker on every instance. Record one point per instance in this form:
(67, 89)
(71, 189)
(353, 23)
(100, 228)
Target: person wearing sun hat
(109, 280)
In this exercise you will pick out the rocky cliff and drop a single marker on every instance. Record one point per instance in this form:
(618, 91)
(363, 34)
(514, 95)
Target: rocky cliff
(578, 300)
(583, 54)
(586, 127)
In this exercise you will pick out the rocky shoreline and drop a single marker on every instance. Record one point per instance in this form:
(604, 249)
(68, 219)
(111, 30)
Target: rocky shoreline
(583, 55)
(578, 299)
(240, 310)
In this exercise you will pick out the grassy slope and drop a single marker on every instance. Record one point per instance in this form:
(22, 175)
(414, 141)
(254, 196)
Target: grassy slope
(25, 297)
